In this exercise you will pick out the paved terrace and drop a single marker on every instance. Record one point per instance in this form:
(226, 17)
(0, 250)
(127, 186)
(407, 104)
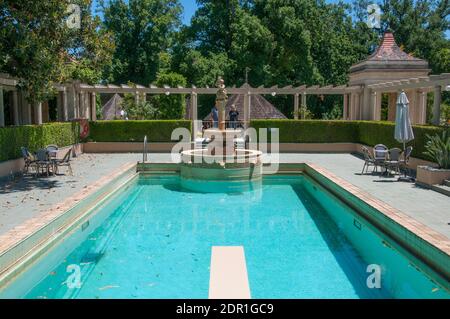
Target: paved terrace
(24, 198)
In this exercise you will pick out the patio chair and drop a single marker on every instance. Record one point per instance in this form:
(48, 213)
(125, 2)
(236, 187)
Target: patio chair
(404, 161)
(65, 161)
(29, 160)
(43, 161)
(393, 163)
(368, 160)
(380, 152)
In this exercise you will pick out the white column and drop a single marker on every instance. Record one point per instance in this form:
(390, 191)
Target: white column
(38, 113)
(194, 115)
(296, 98)
(87, 109)
(194, 108)
(422, 105)
(81, 105)
(93, 106)
(2, 108)
(375, 112)
(437, 105)
(136, 97)
(247, 102)
(303, 104)
(345, 107)
(64, 109)
(15, 106)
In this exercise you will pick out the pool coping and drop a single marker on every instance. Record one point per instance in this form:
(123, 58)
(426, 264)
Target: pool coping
(423, 242)
(12, 241)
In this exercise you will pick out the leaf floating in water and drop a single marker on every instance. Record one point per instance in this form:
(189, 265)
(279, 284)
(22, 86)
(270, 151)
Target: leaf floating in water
(435, 289)
(109, 287)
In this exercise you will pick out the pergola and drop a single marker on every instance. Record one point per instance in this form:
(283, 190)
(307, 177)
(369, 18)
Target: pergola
(388, 70)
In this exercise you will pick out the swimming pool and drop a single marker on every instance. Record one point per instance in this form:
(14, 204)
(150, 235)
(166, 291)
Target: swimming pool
(153, 240)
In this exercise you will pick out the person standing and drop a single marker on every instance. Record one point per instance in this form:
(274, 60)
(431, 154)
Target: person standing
(215, 116)
(233, 114)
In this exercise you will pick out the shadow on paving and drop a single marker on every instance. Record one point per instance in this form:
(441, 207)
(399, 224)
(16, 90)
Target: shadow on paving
(27, 182)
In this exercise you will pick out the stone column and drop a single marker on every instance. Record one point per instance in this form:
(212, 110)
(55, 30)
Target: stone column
(194, 108)
(345, 107)
(38, 113)
(352, 109)
(366, 107)
(93, 107)
(296, 106)
(247, 101)
(422, 107)
(392, 106)
(15, 106)
(194, 115)
(375, 105)
(361, 107)
(87, 108)
(2, 108)
(303, 104)
(64, 108)
(437, 106)
(81, 105)
(136, 97)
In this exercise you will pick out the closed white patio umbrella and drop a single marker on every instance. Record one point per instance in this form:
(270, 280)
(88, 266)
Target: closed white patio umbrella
(403, 129)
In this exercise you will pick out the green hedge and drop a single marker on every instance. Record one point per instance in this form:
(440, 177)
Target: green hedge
(311, 131)
(134, 131)
(372, 133)
(35, 136)
(365, 132)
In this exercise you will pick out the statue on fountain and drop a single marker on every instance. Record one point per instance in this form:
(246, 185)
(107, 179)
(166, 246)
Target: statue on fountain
(221, 101)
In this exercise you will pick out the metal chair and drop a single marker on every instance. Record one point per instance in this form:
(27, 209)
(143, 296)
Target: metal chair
(43, 161)
(65, 161)
(29, 160)
(368, 160)
(403, 163)
(380, 152)
(393, 163)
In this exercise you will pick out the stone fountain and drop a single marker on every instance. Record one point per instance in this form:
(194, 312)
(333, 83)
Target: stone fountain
(221, 166)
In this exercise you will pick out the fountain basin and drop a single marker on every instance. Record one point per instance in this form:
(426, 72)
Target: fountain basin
(203, 172)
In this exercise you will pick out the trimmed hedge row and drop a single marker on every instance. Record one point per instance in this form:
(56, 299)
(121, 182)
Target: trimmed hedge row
(311, 131)
(36, 136)
(365, 132)
(134, 131)
(372, 133)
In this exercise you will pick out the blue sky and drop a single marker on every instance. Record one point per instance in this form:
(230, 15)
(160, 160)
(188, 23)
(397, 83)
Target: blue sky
(190, 6)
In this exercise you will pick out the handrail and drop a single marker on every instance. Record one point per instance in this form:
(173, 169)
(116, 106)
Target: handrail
(144, 153)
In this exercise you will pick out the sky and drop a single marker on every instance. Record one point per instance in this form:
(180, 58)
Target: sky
(190, 6)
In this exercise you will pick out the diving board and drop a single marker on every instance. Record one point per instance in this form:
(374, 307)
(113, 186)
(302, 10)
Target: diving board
(228, 273)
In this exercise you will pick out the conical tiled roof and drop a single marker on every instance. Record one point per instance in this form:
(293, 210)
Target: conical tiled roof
(389, 55)
(111, 109)
(260, 108)
(389, 50)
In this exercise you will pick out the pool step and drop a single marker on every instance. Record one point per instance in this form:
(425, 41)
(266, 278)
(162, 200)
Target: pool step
(443, 189)
(228, 273)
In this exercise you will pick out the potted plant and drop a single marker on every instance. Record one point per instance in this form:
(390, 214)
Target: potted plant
(438, 149)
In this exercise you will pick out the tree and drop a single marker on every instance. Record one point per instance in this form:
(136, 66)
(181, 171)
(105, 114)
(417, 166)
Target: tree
(142, 30)
(34, 39)
(41, 49)
(90, 47)
(170, 107)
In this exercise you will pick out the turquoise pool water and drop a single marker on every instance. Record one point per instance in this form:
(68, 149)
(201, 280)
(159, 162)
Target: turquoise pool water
(154, 241)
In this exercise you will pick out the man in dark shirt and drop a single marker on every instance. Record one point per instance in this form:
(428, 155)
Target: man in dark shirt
(234, 114)
(215, 116)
